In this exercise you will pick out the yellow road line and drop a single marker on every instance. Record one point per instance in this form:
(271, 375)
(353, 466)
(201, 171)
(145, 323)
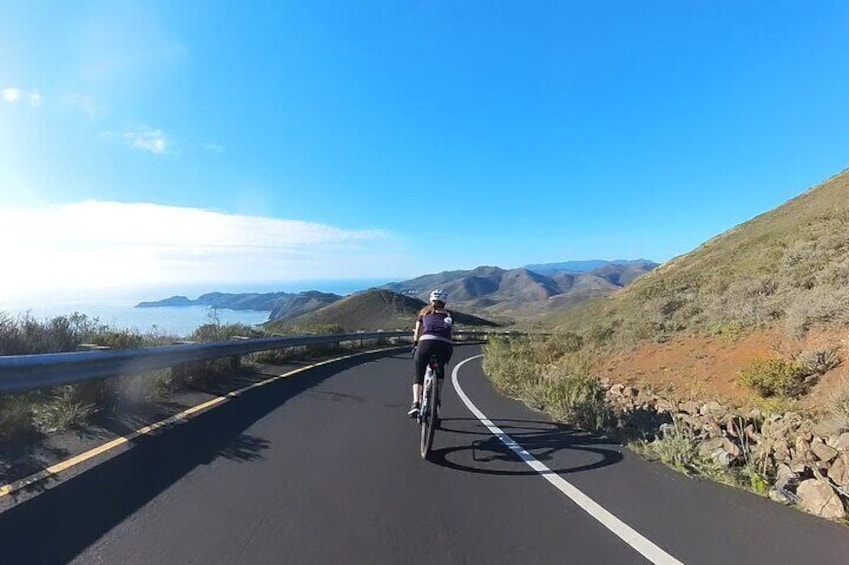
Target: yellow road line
(183, 416)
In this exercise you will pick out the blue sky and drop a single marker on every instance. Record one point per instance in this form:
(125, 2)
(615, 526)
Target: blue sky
(390, 139)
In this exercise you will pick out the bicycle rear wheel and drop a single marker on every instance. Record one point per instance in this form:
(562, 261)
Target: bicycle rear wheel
(428, 419)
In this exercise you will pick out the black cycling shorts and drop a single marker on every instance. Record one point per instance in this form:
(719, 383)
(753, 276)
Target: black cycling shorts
(425, 350)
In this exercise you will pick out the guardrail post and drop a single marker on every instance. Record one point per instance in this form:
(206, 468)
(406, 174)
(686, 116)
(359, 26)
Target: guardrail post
(180, 372)
(236, 360)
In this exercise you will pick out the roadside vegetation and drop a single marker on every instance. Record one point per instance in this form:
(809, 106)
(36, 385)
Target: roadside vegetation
(771, 447)
(744, 336)
(549, 374)
(28, 416)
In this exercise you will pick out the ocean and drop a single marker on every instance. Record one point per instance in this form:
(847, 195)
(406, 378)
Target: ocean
(120, 312)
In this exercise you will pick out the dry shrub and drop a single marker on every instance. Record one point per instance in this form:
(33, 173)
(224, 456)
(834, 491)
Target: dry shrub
(820, 306)
(572, 395)
(62, 411)
(16, 421)
(676, 445)
(774, 377)
(840, 401)
(818, 361)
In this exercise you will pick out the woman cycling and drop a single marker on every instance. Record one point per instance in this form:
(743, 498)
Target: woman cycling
(432, 337)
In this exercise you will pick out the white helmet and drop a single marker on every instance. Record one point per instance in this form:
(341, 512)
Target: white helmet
(439, 295)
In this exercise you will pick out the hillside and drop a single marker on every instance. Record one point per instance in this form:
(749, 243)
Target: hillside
(371, 310)
(788, 267)
(233, 301)
(524, 294)
(302, 303)
(282, 305)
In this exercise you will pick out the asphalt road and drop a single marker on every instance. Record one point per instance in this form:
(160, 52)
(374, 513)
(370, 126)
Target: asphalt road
(324, 467)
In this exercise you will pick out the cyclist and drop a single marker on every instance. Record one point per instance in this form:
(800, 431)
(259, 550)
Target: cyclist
(431, 337)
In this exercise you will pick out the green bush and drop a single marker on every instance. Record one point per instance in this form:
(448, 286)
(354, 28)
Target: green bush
(728, 331)
(221, 332)
(62, 412)
(545, 375)
(127, 339)
(510, 363)
(571, 394)
(774, 377)
(676, 445)
(16, 421)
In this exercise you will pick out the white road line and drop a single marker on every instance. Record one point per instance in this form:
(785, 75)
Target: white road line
(625, 532)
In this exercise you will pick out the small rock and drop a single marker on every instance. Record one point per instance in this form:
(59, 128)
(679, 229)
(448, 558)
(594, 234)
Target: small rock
(839, 471)
(707, 448)
(775, 428)
(713, 429)
(798, 465)
(689, 407)
(817, 497)
(665, 406)
(842, 443)
(803, 449)
(785, 477)
(712, 408)
(781, 450)
(824, 452)
(722, 457)
(779, 496)
(830, 426)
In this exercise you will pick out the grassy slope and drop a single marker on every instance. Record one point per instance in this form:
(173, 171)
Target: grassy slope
(789, 266)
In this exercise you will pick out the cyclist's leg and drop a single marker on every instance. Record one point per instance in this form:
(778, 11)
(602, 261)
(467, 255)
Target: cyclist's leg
(420, 361)
(443, 355)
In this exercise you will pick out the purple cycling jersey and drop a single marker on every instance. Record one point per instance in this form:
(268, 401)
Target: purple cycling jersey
(437, 324)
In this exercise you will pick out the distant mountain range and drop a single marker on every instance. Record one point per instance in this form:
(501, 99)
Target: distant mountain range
(524, 292)
(576, 267)
(487, 291)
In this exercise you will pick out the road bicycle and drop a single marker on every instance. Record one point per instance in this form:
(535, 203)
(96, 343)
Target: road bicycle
(429, 411)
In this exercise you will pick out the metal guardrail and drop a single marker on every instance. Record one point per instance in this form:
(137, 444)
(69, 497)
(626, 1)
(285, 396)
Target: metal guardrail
(19, 373)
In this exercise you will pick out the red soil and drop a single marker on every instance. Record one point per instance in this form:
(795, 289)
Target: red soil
(707, 367)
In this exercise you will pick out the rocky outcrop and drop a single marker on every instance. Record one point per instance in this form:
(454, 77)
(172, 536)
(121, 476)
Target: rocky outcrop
(803, 462)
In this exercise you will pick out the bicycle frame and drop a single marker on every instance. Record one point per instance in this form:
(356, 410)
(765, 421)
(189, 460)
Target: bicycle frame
(428, 417)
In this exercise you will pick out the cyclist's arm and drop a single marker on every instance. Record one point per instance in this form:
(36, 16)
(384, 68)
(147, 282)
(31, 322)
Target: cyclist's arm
(417, 333)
